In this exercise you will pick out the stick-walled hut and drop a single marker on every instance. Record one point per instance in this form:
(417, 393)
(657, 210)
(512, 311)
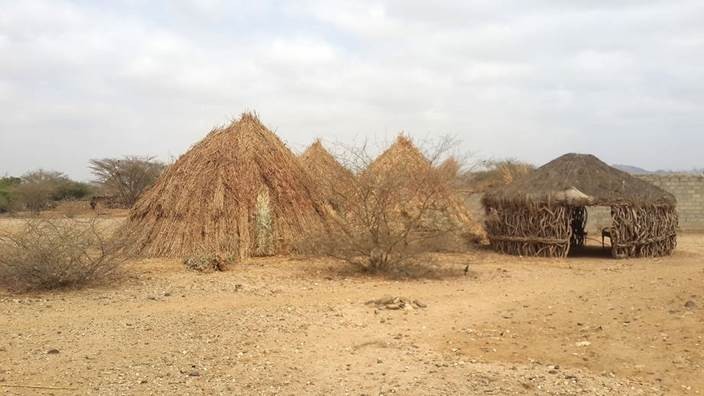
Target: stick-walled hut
(544, 214)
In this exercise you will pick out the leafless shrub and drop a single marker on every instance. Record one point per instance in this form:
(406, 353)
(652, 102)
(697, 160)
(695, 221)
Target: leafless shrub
(126, 178)
(52, 254)
(399, 207)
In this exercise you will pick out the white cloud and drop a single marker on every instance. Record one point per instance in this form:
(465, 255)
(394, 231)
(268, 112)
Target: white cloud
(300, 52)
(510, 78)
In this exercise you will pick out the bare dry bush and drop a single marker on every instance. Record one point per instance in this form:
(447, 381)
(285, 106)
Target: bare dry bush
(399, 207)
(53, 254)
(126, 178)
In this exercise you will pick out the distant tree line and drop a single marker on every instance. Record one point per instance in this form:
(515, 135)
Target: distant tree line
(39, 190)
(7, 185)
(123, 179)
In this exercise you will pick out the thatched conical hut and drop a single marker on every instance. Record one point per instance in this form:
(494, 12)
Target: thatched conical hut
(544, 214)
(240, 192)
(402, 156)
(404, 161)
(332, 179)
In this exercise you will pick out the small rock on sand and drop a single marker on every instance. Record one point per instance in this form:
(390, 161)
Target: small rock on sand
(382, 301)
(419, 304)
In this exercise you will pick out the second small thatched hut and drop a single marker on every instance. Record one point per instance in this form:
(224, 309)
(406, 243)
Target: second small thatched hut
(331, 178)
(544, 214)
(407, 166)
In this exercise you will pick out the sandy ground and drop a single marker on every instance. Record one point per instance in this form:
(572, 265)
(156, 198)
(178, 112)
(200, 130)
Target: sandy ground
(586, 325)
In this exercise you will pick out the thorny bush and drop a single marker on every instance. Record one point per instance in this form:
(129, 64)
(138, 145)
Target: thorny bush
(60, 253)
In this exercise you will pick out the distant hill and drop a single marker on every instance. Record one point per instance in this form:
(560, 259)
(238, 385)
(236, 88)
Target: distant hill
(634, 170)
(681, 172)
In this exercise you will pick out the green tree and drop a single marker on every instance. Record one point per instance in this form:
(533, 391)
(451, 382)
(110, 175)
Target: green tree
(71, 190)
(7, 194)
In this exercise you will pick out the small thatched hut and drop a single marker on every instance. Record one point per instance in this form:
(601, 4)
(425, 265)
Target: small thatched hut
(402, 156)
(404, 161)
(332, 179)
(239, 192)
(544, 214)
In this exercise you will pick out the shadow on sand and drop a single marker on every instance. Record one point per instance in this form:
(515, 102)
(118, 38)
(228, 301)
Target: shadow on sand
(592, 251)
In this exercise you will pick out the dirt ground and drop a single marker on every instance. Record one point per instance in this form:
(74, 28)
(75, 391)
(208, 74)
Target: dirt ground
(585, 325)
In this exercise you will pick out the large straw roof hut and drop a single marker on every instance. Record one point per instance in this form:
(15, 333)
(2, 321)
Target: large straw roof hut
(331, 178)
(543, 214)
(404, 161)
(240, 192)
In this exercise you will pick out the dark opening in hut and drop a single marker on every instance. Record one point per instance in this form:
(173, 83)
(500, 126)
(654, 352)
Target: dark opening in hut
(545, 214)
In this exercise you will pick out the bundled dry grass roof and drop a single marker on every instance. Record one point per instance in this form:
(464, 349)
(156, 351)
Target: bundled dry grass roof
(585, 173)
(331, 178)
(402, 156)
(496, 174)
(451, 165)
(404, 160)
(234, 192)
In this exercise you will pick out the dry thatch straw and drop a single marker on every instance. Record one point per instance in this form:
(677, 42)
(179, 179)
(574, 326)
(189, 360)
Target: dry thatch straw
(332, 179)
(235, 190)
(402, 157)
(451, 166)
(496, 174)
(453, 169)
(405, 161)
(533, 216)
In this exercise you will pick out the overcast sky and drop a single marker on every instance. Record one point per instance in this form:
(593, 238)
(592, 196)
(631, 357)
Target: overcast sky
(523, 79)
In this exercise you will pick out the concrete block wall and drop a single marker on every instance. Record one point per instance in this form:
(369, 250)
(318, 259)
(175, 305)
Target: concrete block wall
(689, 191)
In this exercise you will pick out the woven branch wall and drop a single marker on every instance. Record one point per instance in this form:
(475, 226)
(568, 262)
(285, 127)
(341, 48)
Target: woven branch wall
(544, 230)
(643, 232)
(530, 230)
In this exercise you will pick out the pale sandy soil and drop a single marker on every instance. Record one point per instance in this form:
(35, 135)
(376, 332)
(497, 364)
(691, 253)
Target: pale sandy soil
(301, 326)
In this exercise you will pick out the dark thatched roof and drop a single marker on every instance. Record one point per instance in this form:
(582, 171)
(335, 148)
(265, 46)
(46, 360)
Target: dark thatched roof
(581, 179)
